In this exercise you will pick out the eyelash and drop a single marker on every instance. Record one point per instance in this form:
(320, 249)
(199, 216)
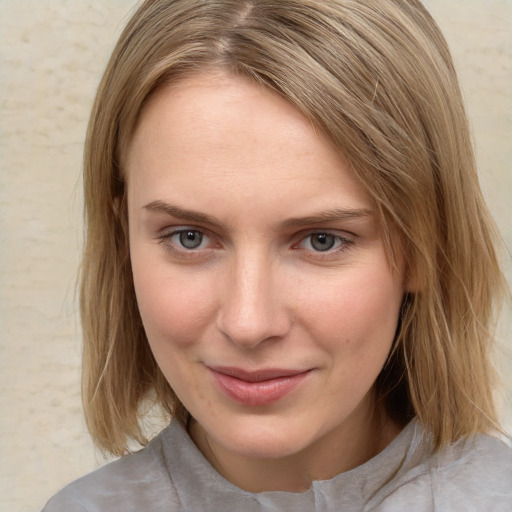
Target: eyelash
(342, 243)
(166, 239)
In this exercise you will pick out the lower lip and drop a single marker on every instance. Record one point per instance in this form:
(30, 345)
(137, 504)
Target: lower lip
(258, 393)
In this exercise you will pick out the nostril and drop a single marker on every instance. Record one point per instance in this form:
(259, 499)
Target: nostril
(249, 325)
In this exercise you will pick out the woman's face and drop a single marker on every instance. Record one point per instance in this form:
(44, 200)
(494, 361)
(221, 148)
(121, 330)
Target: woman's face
(259, 268)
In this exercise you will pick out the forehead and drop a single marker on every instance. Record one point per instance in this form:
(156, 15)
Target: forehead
(224, 112)
(213, 137)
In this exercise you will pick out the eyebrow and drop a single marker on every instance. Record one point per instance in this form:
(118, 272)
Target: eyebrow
(335, 215)
(182, 213)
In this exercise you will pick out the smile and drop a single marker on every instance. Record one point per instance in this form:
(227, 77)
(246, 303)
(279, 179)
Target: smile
(258, 388)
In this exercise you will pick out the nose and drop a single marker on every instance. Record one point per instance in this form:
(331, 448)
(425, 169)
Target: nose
(252, 309)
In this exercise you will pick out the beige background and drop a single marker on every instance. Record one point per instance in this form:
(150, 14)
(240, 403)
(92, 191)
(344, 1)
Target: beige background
(52, 53)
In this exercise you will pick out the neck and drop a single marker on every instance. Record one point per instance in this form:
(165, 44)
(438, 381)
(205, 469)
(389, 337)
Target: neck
(362, 436)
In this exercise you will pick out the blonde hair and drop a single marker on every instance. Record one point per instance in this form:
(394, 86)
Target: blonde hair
(377, 77)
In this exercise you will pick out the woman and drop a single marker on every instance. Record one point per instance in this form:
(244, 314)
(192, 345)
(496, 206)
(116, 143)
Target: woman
(288, 252)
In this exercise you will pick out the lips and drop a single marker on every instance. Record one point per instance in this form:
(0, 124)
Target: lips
(257, 388)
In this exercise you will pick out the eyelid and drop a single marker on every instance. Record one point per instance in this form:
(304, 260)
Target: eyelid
(164, 237)
(346, 240)
(173, 230)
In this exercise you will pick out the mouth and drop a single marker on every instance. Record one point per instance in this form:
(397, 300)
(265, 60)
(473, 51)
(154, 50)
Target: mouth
(257, 388)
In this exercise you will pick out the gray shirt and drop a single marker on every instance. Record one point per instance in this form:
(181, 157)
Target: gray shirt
(170, 474)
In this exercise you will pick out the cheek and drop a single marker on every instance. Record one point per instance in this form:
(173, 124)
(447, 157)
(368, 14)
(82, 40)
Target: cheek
(173, 305)
(358, 314)
(176, 309)
(358, 331)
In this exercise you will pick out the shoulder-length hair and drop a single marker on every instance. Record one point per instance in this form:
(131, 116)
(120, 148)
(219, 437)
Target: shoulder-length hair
(377, 77)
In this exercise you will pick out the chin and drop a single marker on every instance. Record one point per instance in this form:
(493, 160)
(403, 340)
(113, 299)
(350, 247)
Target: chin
(270, 440)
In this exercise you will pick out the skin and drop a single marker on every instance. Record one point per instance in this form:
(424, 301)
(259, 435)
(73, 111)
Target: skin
(269, 194)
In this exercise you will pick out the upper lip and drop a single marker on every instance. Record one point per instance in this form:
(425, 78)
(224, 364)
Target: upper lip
(260, 375)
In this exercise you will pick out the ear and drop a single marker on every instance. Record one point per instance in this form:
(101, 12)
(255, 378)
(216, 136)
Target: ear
(117, 205)
(412, 278)
(413, 282)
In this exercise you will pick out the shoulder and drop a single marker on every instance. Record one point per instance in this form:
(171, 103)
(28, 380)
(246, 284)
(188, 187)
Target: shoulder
(139, 481)
(472, 474)
(475, 472)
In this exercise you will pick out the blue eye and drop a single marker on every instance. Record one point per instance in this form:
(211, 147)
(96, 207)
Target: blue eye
(322, 241)
(189, 238)
(188, 244)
